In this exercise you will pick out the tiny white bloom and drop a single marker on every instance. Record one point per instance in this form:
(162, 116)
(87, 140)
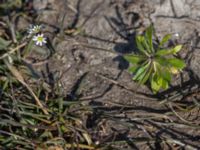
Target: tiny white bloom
(33, 29)
(36, 28)
(39, 39)
(176, 35)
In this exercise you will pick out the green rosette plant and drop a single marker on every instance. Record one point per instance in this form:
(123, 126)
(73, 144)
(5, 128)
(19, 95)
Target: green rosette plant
(153, 63)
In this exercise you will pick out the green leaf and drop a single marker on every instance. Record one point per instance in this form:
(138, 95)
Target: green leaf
(149, 36)
(162, 82)
(147, 46)
(154, 83)
(169, 51)
(165, 84)
(177, 49)
(165, 39)
(177, 63)
(133, 68)
(134, 59)
(158, 82)
(146, 75)
(161, 61)
(164, 52)
(140, 44)
(139, 72)
(4, 43)
(165, 74)
(162, 69)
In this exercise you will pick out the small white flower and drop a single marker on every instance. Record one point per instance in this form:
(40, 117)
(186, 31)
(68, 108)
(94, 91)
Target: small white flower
(176, 35)
(37, 28)
(39, 39)
(33, 29)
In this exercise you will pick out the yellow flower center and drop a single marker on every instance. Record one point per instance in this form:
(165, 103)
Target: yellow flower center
(40, 39)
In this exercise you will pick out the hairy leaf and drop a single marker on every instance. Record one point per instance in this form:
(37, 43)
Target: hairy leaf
(140, 45)
(163, 71)
(149, 37)
(165, 39)
(134, 59)
(139, 72)
(154, 83)
(146, 75)
(169, 51)
(177, 63)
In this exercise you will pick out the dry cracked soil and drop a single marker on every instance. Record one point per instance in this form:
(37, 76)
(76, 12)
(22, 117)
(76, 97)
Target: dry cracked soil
(90, 38)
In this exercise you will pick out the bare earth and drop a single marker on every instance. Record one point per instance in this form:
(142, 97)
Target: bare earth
(90, 72)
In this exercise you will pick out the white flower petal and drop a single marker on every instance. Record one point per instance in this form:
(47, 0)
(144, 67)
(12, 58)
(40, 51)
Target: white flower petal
(37, 42)
(35, 38)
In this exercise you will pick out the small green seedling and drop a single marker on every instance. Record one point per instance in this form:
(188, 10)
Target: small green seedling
(153, 63)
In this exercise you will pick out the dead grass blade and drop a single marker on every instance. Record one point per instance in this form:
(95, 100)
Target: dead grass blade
(20, 78)
(13, 50)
